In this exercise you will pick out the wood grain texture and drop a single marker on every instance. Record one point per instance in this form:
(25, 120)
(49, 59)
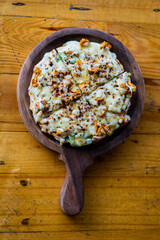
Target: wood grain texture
(142, 40)
(45, 162)
(86, 235)
(127, 11)
(123, 189)
(121, 192)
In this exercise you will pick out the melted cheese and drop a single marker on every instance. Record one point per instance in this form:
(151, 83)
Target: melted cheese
(51, 84)
(78, 95)
(81, 61)
(115, 95)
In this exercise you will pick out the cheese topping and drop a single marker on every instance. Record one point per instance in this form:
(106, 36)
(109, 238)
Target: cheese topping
(115, 95)
(90, 65)
(79, 93)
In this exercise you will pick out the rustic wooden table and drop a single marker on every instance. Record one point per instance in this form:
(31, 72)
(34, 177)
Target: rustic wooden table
(122, 189)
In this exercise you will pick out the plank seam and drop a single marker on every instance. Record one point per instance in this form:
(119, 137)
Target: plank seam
(89, 230)
(74, 19)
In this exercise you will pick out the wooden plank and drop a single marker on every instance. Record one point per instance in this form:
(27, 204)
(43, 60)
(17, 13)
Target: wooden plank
(10, 119)
(141, 39)
(127, 11)
(8, 104)
(87, 235)
(121, 191)
(43, 161)
(32, 159)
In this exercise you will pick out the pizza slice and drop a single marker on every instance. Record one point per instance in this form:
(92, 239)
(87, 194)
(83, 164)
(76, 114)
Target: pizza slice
(115, 95)
(52, 86)
(76, 124)
(102, 64)
(110, 121)
(100, 59)
(70, 54)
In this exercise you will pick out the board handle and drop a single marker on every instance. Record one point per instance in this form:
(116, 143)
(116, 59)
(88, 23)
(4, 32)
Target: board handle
(71, 196)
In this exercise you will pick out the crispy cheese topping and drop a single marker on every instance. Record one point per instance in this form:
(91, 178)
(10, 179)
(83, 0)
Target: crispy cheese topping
(84, 42)
(106, 44)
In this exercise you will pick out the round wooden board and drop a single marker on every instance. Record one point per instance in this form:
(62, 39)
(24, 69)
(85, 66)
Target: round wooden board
(78, 159)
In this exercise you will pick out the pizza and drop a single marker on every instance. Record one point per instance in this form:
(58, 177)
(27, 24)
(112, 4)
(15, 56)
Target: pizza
(80, 93)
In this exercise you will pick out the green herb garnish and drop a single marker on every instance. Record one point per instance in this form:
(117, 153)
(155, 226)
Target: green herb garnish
(71, 139)
(60, 58)
(72, 135)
